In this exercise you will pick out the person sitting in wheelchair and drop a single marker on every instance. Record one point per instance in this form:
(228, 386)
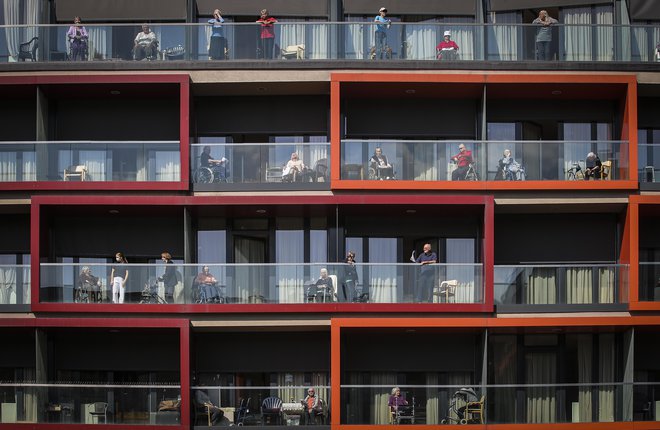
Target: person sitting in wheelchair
(89, 287)
(508, 168)
(294, 170)
(447, 49)
(218, 167)
(463, 161)
(145, 45)
(207, 286)
(397, 403)
(322, 290)
(379, 166)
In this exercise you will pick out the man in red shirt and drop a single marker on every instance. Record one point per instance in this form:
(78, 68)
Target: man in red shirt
(463, 160)
(267, 36)
(447, 49)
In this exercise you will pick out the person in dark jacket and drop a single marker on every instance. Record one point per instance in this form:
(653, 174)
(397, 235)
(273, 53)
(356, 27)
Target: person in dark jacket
(169, 277)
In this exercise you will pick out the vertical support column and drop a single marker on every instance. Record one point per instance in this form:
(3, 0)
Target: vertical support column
(630, 249)
(484, 372)
(184, 359)
(184, 131)
(335, 373)
(489, 251)
(188, 237)
(35, 254)
(41, 372)
(335, 132)
(41, 134)
(629, 132)
(628, 374)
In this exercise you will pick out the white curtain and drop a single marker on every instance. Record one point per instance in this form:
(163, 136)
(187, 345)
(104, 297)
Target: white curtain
(383, 283)
(168, 166)
(94, 161)
(606, 359)
(606, 285)
(291, 284)
(421, 39)
(577, 33)
(99, 44)
(314, 37)
(380, 411)
(29, 166)
(585, 359)
(503, 35)
(16, 35)
(355, 43)
(541, 368)
(27, 298)
(463, 35)
(289, 248)
(8, 166)
(579, 38)
(8, 285)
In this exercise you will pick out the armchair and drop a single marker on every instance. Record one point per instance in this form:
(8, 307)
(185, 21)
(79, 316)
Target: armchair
(79, 171)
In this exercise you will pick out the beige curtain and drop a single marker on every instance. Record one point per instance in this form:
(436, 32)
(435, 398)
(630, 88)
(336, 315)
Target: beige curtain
(291, 387)
(585, 355)
(606, 283)
(541, 368)
(8, 285)
(432, 405)
(606, 374)
(542, 287)
(380, 410)
(579, 285)
(30, 399)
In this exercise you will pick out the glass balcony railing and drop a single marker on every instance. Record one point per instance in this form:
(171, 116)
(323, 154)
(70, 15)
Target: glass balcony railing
(84, 403)
(334, 41)
(268, 405)
(14, 284)
(263, 283)
(90, 161)
(560, 284)
(429, 160)
(649, 282)
(259, 163)
(499, 404)
(648, 156)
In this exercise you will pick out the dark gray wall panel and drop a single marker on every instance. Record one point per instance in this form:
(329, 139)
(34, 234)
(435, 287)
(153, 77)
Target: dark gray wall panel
(18, 119)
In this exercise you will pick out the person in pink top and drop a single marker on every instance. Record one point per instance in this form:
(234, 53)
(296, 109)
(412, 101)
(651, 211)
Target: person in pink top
(447, 49)
(267, 35)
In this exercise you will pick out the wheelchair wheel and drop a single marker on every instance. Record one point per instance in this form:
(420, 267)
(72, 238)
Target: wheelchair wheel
(463, 421)
(204, 175)
(372, 174)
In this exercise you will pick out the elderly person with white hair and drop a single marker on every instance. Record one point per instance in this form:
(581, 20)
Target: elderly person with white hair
(593, 167)
(396, 400)
(322, 290)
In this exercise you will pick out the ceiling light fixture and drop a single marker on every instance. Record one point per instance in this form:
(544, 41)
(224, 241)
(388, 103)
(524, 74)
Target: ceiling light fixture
(261, 211)
(411, 91)
(556, 92)
(113, 211)
(115, 92)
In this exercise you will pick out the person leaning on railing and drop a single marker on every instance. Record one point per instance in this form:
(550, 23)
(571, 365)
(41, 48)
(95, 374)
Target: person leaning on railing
(267, 35)
(544, 35)
(77, 36)
(218, 42)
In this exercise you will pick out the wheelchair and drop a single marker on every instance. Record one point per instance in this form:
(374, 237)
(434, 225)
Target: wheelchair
(208, 293)
(471, 174)
(149, 294)
(465, 407)
(381, 172)
(209, 175)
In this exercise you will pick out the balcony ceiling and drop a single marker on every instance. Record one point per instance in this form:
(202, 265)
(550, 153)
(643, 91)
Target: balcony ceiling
(411, 90)
(556, 91)
(261, 89)
(105, 90)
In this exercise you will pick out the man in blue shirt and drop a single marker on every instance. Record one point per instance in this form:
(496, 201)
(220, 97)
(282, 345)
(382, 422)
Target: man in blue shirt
(426, 275)
(382, 24)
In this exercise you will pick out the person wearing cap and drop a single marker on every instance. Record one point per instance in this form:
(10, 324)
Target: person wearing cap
(463, 160)
(382, 24)
(593, 167)
(313, 407)
(447, 49)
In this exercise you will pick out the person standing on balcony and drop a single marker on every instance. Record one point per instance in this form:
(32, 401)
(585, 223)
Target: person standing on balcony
(169, 277)
(267, 35)
(77, 36)
(544, 35)
(350, 279)
(218, 42)
(382, 25)
(426, 279)
(118, 278)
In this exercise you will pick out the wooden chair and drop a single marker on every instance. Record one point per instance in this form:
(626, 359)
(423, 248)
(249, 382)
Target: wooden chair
(79, 171)
(606, 170)
(474, 411)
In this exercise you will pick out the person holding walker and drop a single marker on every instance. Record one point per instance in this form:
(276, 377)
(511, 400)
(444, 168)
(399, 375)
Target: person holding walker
(118, 278)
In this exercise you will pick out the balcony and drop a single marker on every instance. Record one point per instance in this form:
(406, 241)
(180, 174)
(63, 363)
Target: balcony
(338, 41)
(261, 406)
(90, 161)
(553, 287)
(502, 403)
(649, 282)
(14, 287)
(260, 166)
(428, 160)
(267, 284)
(89, 403)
